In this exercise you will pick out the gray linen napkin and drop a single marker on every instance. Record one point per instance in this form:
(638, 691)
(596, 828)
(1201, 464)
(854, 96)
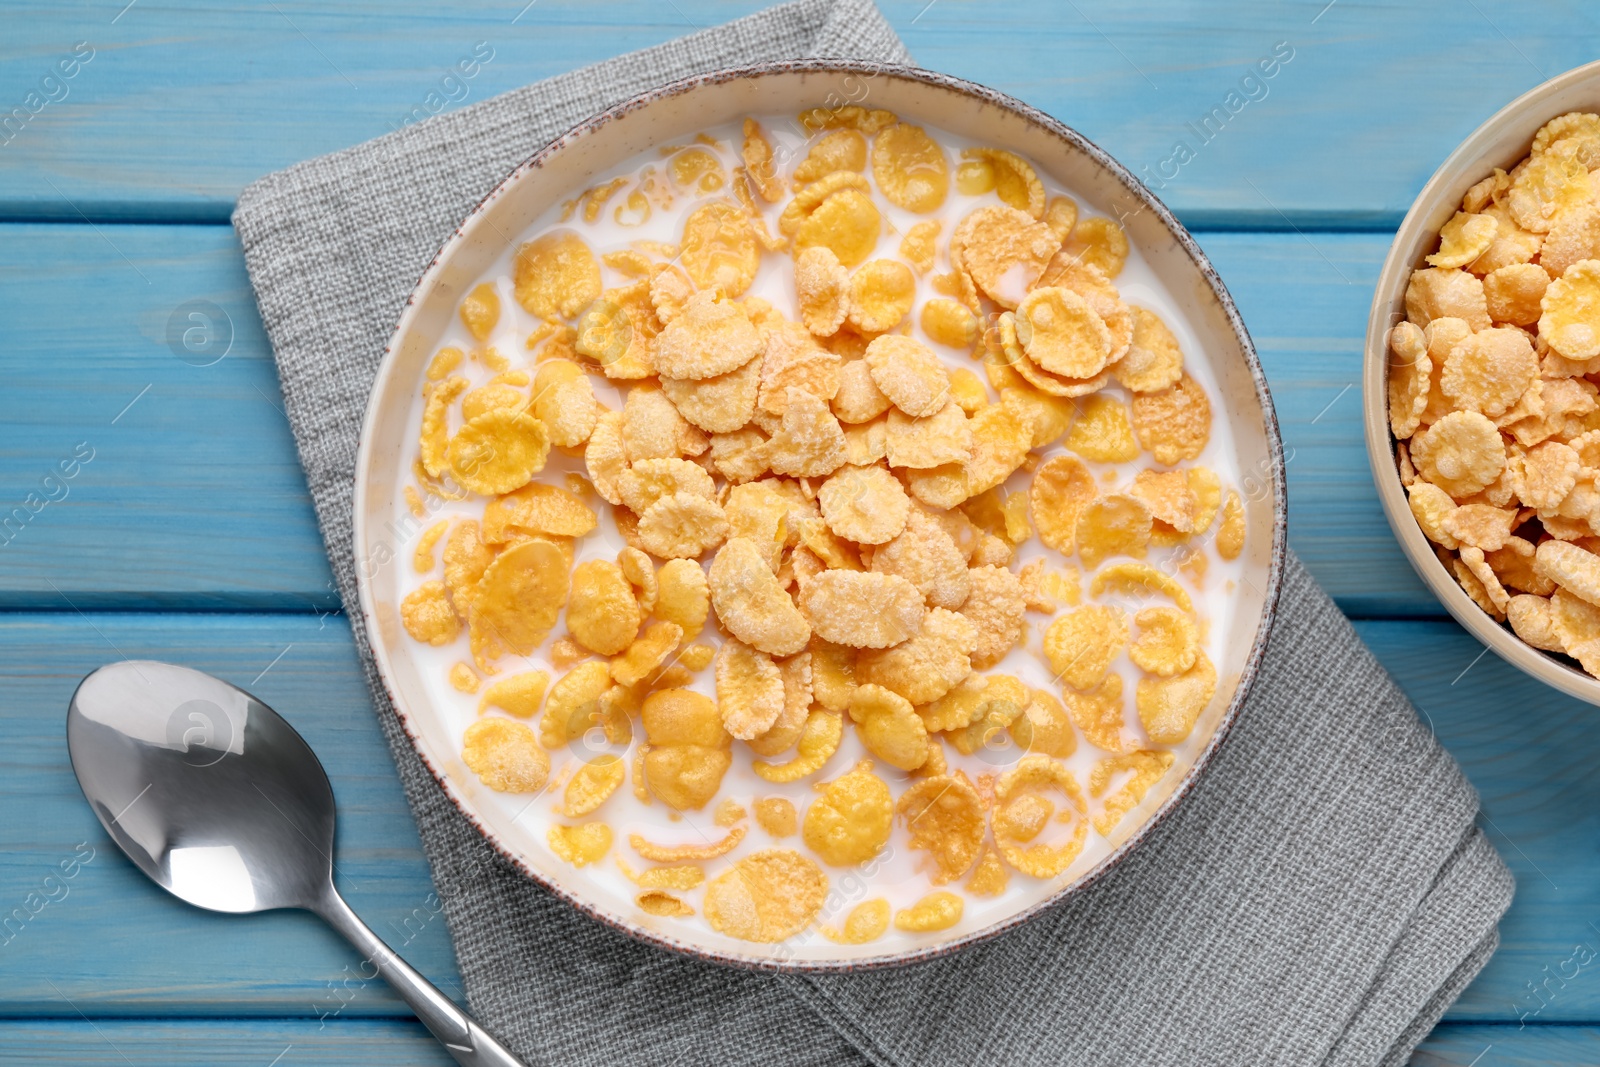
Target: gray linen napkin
(1320, 898)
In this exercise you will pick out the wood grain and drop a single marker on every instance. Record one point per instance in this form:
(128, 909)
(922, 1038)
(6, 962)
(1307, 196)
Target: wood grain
(181, 107)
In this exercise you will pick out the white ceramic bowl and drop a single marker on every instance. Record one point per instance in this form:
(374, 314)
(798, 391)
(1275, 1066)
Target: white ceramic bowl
(670, 114)
(1502, 141)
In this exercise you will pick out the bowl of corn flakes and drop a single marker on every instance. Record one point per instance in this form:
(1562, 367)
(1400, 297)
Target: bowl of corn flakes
(1482, 383)
(816, 516)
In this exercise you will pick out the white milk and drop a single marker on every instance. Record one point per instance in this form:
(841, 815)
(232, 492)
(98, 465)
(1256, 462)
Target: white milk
(898, 874)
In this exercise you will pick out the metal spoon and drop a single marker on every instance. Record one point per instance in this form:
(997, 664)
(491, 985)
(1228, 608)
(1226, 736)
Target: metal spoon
(215, 797)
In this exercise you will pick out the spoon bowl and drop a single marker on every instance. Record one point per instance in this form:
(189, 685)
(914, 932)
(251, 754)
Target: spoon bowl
(209, 791)
(218, 800)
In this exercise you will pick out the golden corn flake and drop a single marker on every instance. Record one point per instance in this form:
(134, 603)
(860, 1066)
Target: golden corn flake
(910, 168)
(1061, 488)
(767, 896)
(1103, 431)
(1463, 239)
(1044, 727)
(710, 336)
(1481, 525)
(1082, 645)
(835, 212)
(850, 822)
(990, 878)
(647, 653)
(1175, 423)
(1004, 701)
(682, 526)
(996, 606)
(936, 911)
(1011, 177)
(435, 439)
(519, 695)
(1168, 642)
(556, 275)
(1572, 568)
(443, 362)
(663, 905)
(1548, 184)
(1099, 243)
(1488, 371)
(926, 555)
(920, 245)
(574, 704)
(498, 451)
(428, 616)
(850, 116)
(793, 359)
(1410, 379)
(1576, 623)
(752, 604)
(822, 287)
(536, 509)
(945, 437)
(649, 480)
(949, 323)
(605, 456)
(1230, 535)
(889, 727)
(1515, 293)
(1570, 319)
(809, 443)
(1113, 525)
(867, 505)
(881, 294)
(1532, 618)
(580, 845)
(909, 374)
(749, 689)
(1023, 811)
(1140, 580)
(862, 610)
(1147, 767)
(1444, 292)
(505, 756)
(1098, 713)
(819, 740)
(1461, 453)
(720, 250)
(480, 310)
(841, 149)
(463, 679)
(519, 598)
(866, 922)
(1061, 333)
(928, 665)
(776, 815)
(687, 751)
(1003, 251)
(1153, 361)
(945, 819)
(1170, 703)
(592, 784)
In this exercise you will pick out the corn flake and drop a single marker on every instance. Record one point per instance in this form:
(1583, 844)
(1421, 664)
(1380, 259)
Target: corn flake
(1082, 645)
(1022, 811)
(555, 275)
(751, 603)
(518, 600)
(767, 896)
(505, 756)
(866, 922)
(1148, 768)
(945, 819)
(580, 845)
(819, 740)
(910, 168)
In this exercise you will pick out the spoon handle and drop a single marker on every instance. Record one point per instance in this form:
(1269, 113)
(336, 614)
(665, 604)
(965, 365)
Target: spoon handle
(460, 1034)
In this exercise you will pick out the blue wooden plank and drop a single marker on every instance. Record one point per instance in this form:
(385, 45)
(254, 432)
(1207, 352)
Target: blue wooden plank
(404, 1043)
(198, 487)
(181, 106)
(1531, 753)
(86, 1042)
(185, 486)
(99, 933)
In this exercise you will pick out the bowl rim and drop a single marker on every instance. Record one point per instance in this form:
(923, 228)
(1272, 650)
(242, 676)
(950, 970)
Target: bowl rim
(1277, 557)
(1388, 293)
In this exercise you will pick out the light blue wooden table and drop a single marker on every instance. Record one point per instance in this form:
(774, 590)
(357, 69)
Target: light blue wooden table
(189, 535)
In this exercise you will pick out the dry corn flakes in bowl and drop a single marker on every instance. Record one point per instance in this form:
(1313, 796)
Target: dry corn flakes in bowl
(816, 516)
(1482, 383)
